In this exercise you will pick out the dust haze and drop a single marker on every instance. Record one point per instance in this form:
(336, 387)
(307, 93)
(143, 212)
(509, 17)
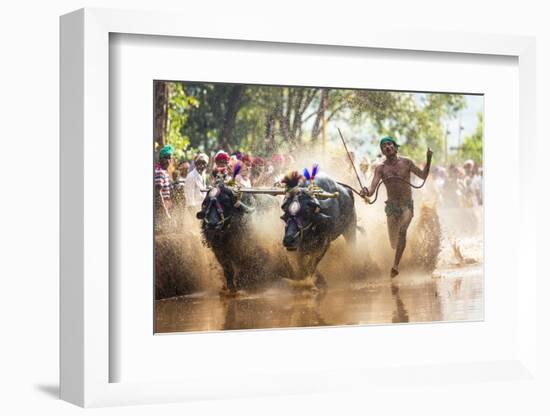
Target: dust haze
(442, 264)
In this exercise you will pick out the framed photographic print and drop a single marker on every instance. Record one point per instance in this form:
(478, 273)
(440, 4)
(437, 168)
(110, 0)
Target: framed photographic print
(284, 236)
(259, 214)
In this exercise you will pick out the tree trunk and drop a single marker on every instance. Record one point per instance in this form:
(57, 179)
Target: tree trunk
(161, 112)
(320, 120)
(270, 144)
(284, 119)
(304, 105)
(297, 119)
(233, 105)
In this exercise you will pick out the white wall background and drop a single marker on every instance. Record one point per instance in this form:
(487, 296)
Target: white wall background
(29, 84)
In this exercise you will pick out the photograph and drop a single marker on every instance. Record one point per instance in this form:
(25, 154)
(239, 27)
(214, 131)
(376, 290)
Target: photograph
(282, 206)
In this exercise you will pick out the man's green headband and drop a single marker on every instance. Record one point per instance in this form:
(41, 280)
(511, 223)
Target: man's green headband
(388, 139)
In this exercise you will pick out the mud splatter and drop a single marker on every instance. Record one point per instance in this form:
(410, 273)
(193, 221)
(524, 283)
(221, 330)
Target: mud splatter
(441, 273)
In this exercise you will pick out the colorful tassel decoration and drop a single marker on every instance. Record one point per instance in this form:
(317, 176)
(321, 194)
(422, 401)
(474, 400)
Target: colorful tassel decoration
(292, 179)
(314, 171)
(237, 169)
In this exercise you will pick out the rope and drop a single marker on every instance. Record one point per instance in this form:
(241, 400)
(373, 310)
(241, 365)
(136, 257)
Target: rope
(384, 181)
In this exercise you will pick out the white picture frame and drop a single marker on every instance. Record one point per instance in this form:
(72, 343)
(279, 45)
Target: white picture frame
(85, 265)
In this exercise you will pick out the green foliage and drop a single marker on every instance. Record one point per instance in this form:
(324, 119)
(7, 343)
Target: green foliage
(472, 148)
(272, 118)
(179, 104)
(205, 121)
(416, 120)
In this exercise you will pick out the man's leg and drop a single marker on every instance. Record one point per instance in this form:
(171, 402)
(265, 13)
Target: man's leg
(393, 229)
(404, 222)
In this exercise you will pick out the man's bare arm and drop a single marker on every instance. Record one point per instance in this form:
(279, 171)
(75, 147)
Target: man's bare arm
(422, 173)
(375, 181)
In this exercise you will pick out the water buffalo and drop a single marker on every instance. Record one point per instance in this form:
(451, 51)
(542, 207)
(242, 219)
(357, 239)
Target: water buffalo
(311, 224)
(227, 230)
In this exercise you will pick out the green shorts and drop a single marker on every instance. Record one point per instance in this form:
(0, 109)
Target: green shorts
(396, 208)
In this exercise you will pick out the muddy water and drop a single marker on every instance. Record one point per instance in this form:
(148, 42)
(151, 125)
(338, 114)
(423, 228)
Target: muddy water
(452, 294)
(356, 294)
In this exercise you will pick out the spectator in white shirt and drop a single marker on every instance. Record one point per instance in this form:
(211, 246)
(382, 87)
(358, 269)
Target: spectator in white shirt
(195, 181)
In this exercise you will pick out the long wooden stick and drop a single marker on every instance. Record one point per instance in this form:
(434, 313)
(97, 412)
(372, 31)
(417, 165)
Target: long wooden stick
(265, 191)
(319, 193)
(350, 159)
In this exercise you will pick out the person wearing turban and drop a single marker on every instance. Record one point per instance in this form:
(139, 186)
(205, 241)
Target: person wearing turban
(221, 168)
(163, 199)
(195, 181)
(395, 173)
(166, 152)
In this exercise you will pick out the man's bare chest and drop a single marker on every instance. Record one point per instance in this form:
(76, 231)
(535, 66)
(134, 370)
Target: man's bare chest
(400, 168)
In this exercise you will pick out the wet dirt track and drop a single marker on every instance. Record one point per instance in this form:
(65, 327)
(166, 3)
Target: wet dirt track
(453, 294)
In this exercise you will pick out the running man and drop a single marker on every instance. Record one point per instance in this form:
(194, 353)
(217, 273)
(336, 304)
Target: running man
(395, 172)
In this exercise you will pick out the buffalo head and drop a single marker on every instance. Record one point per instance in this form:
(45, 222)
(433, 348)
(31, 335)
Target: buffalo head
(303, 218)
(220, 205)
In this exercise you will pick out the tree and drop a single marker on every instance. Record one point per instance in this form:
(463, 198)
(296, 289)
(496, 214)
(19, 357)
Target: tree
(232, 107)
(160, 89)
(171, 114)
(266, 119)
(415, 120)
(472, 148)
(320, 115)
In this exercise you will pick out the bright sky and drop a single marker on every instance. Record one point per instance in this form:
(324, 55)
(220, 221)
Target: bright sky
(467, 118)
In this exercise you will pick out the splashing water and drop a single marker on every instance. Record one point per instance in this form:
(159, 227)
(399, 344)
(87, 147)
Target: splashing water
(441, 274)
